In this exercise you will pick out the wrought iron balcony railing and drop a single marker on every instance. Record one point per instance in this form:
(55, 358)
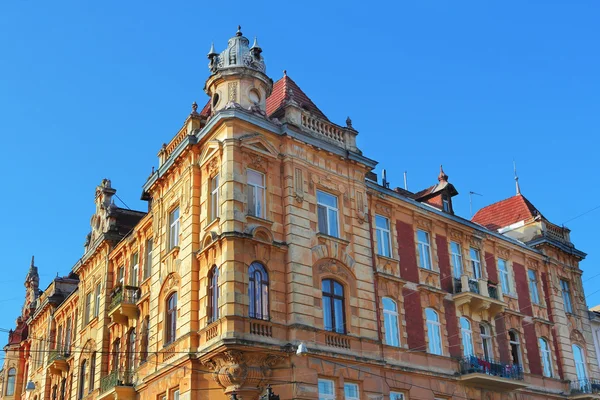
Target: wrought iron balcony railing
(116, 378)
(477, 365)
(585, 386)
(125, 295)
(57, 355)
(493, 292)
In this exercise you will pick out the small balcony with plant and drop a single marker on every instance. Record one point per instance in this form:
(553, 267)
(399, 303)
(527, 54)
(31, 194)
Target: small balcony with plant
(488, 373)
(478, 294)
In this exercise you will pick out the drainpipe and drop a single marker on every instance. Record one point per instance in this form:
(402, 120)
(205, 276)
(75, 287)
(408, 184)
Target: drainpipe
(374, 266)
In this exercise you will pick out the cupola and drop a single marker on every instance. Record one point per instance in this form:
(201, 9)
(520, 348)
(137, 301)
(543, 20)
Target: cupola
(238, 76)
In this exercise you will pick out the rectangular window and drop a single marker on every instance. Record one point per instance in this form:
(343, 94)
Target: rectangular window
(326, 390)
(566, 295)
(214, 198)
(456, 256)
(327, 213)
(148, 261)
(88, 307)
(396, 396)
(135, 269)
(504, 277)
(475, 263)
(382, 226)
(176, 394)
(256, 193)
(351, 391)
(424, 249)
(98, 299)
(533, 289)
(174, 228)
(121, 275)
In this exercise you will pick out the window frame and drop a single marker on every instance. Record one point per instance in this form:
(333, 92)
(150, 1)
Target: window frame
(326, 396)
(174, 227)
(397, 395)
(533, 287)
(434, 332)
(475, 262)
(170, 334)
(82, 372)
(98, 300)
(466, 334)
(391, 319)
(135, 269)
(331, 297)
(87, 310)
(92, 377)
(487, 343)
(131, 349)
(328, 209)
(213, 294)
(148, 259)
(422, 246)
(546, 356)
(515, 345)
(258, 299)
(580, 366)
(260, 202)
(354, 386)
(505, 281)
(213, 195)
(11, 385)
(565, 289)
(456, 258)
(384, 243)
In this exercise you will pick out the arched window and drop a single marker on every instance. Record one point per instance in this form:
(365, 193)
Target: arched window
(515, 347)
(171, 320)
(433, 331)
(486, 341)
(467, 336)
(92, 372)
(546, 357)
(258, 291)
(579, 358)
(334, 315)
(82, 380)
(131, 350)
(213, 294)
(10, 382)
(390, 318)
(144, 339)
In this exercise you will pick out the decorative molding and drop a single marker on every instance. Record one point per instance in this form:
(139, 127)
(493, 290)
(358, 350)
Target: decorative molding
(232, 90)
(456, 235)
(383, 209)
(476, 242)
(424, 223)
(503, 253)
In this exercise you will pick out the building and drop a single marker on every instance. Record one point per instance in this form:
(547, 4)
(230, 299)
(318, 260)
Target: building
(271, 254)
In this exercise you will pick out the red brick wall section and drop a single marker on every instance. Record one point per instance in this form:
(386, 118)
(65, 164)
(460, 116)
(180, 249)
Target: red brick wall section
(415, 327)
(545, 287)
(492, 271)
(533, 351)
(406, 251)
(444, 262)
(522, 289)
(452, 327)
(502, 340)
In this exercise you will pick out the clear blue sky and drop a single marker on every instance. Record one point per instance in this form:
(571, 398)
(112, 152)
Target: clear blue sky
(92, 89)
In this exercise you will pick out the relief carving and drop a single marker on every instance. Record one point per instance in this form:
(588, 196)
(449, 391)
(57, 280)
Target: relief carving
(382, 209)
(456, 235)
(213, 166)
(476, 242)
(424, 223)
(503, 253)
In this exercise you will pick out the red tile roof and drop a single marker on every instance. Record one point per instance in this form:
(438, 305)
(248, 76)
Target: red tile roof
(281, 89)
(505, 213)
(206, 109)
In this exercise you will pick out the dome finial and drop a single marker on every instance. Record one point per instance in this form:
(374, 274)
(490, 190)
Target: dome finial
(442, 177)
(516, 178)
(239, 31)
(212, 52)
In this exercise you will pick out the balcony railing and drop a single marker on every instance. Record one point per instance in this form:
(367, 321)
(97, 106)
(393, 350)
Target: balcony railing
(476, 365)
(57, 355)
(493, 292)
(116, 378)
(473, 285)
(585, 386)
(125, 295)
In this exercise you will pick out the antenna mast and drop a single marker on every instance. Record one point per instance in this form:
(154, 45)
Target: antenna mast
(471, 201)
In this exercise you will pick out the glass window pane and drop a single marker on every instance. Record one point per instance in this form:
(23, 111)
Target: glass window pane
(423, 236)
(327, 321)
(382, 222)
(322, 217)
(338, 289)
(251, 200)
(339, 316)
(333, 222)
(326, 199)
(255, 178)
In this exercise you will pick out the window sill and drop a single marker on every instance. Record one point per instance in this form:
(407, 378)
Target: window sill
(511, 295)
(211, 224)
(386, 258)
(334, 238)
(433, 271)
(173, 252)
(250, 217)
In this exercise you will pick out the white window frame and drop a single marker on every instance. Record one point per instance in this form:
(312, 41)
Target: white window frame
(174, 226)
(565, 289)
(135, 269)
(476, 262)
(354, 386)
(98, 299)
(214, 198)
(425, 260)
(505, 283)
(329, 209)
(533, 288)
(390, 319)
(456, 257)
(580, 368)
(486, 341)
(397, 396)
(384, 237)
(121, 275)
(466, 334)
(546, 355)
(516, 343)
(259, 201)
(434, 333)
(326, 396)
(176, 394)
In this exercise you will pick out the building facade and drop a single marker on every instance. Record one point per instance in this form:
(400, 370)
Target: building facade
(270, 254)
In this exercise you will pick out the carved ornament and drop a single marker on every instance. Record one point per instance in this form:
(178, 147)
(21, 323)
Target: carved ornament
(456, 235)
(503, 253)
(424, 223)
(383, 209)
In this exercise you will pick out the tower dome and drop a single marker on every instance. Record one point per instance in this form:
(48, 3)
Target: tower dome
(238, 76)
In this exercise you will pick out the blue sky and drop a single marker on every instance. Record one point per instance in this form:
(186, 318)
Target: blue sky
(92, 89)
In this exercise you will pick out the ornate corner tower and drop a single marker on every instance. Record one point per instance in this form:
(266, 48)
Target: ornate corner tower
(238, 76)
(32, 290)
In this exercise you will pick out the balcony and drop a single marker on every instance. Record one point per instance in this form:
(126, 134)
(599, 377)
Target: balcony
(585, 389)
(478, 294)
(123, 306)
(117, 385)
(57, 361)
(491, 374)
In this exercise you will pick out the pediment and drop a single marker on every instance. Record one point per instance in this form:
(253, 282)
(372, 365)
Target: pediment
(210, 149)
(258, 143)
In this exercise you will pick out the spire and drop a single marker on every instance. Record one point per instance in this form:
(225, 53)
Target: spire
(239, 31)
(32, 261)
(212, 52)
(516, 178)
(442, 177)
